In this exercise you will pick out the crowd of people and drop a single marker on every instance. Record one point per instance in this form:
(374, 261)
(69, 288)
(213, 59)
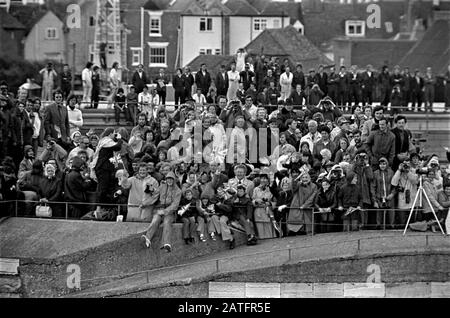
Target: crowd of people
(259, 158)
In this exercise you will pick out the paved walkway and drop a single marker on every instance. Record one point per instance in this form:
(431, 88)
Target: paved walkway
(275, 252)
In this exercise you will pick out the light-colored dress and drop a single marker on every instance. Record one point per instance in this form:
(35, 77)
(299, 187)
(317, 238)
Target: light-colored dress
(233, 84)
(261, 213)
(240, 61)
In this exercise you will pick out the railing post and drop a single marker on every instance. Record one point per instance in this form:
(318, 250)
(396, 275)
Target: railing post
(67, 210)
(16, 209)
(312, 232)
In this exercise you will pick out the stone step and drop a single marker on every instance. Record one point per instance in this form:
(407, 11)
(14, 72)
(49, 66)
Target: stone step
(9, 266)
(10, 284)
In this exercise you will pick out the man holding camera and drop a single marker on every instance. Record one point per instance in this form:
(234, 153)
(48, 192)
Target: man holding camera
(365, 181)
(404, 186)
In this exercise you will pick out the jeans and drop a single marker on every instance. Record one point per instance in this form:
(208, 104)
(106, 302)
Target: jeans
(167, 221)
(189, 227)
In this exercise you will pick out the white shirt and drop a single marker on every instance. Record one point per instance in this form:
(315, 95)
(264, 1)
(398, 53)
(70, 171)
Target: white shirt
(75, 119)
(114, 77)
(36, 125)
(199, 99)
(286, 81)
(86, 75)
(311, 140)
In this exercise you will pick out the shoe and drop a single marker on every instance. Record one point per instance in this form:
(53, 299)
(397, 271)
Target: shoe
(213, 236)
(232, 244)
(202, 238)
(192, 240)
(148, 243)
(167, 247)
(186, 241)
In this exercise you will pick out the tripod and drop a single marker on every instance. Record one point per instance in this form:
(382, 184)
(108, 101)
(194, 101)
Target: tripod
(418, 197)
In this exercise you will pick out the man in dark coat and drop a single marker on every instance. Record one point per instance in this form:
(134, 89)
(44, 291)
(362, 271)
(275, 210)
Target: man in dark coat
(416, 86)
(298, 77)
(384, 80)
(401, 141)
(203, 79)
(321, 80)
(247, 77)
(367, 85)
(57, 121)
(139, 79)
(222, 81)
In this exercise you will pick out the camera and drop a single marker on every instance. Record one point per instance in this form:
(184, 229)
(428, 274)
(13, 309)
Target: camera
(400, 189)
(422, 171)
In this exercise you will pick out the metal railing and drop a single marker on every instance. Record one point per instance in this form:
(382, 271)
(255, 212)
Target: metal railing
(314, 213)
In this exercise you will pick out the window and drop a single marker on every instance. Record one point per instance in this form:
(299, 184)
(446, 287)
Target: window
(135, 56)
(51, 33)
(206, 24)
(155, 26)
(259, 24)
(276, 23)
(158, 54)
(91, 21)
(389, 27)
(355, 28)
(91, 52)
(209, 51)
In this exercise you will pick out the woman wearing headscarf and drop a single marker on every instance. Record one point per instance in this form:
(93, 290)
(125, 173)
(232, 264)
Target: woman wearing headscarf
(300, 214)
(50, 189)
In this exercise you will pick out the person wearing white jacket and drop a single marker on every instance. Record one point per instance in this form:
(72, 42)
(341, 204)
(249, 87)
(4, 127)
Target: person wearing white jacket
(74, 114)
(140, 201)
(286, 83)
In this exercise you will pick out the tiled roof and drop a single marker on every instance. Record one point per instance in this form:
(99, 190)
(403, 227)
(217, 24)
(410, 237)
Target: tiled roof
(290, 43)
(157, 5)
(379, 52)
(7, 21)
(433, 50)
(241, 8)
(212, 62)
(199, 7)
(28, 16)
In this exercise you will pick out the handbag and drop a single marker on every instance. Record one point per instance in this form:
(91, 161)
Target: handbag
(43, 211)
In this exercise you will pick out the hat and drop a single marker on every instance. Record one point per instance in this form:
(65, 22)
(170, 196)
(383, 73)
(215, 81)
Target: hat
(382, 159)
(434, 161)
(170, 175)
(342, 120)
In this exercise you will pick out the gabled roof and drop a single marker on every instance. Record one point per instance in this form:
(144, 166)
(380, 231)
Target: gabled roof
(200, 7)
(433, 50)
(241, 8)
(27, 15)
(212, 62)
(157, 5)
(290, 43)
(8, 22)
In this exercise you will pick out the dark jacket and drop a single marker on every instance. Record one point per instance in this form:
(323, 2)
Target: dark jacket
(75, 187)
(242, 206)
(56, 116)
(326, 199)
(203, 81)
(105, 154)
(222, 84)
(178, 83)
(51, 189)
(138, 82)
(349, 196)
